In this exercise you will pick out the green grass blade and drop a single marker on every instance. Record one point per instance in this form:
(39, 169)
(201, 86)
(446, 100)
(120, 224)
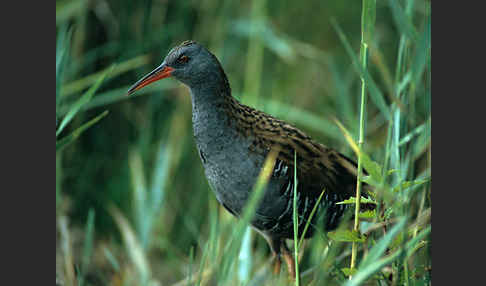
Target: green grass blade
(159, 178)
(424, 127)
(191, 262)
(372, 167)
(133, 246)
(302, 117)
(140, 201)
(87, 245)
(80, 84)
(68, 139)
(368, 18)
(202, 263)
(346, 235)
(245, 258)
(59, 177)
(231, 249)
(120, 94)
(82, 101)
(111, 259)
(66, 10)
(422, 54)
(374, 266)
(402, 21)
(255, 56)
(380, 247)
(314, 209)
(62, 53)
(375, 93)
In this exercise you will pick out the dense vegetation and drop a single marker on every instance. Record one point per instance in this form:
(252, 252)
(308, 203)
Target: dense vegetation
(132, 204)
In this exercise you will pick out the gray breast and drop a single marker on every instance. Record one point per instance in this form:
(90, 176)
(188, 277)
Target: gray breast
(232, 171)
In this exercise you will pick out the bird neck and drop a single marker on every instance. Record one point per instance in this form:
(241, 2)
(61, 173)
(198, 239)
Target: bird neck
(210, 101)
(209, 96)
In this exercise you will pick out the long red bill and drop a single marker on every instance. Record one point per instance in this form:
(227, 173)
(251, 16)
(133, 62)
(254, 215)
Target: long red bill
(159, 73)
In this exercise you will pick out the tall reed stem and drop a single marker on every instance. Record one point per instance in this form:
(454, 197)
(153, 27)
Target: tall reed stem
(367, 25)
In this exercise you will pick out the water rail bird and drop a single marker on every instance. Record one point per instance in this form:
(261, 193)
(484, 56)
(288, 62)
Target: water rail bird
(233, 141)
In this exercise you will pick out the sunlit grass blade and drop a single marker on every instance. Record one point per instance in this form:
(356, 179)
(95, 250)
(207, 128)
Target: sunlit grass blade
(231, 249)
(245, 258)
(68, 139)
(132, 246)
(202, 263)
(82, 101)
(372, 167)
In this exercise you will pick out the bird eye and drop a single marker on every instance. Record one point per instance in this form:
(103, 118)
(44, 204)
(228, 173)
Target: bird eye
(183, 59)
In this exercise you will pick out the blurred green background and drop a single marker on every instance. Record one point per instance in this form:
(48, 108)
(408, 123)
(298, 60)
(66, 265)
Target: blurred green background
(138, 167)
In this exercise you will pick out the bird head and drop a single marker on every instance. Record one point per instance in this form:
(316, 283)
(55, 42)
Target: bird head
(189, 62)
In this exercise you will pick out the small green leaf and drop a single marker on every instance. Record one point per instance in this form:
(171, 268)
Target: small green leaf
(352, 200)
(346, 236)
(367, 214)
(372, 167)
(407, 184)
(348, 271)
